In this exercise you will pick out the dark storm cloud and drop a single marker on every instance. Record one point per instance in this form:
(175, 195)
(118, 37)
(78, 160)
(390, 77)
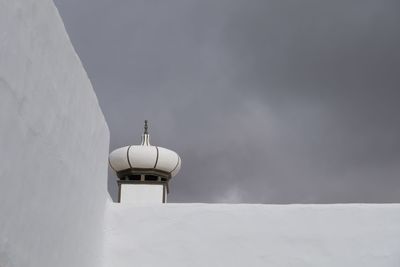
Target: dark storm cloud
(266, 101)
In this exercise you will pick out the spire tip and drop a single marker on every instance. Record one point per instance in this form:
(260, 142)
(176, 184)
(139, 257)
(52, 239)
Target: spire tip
(145, 127)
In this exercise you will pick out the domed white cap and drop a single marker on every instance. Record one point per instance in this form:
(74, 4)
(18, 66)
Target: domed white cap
(145, 157)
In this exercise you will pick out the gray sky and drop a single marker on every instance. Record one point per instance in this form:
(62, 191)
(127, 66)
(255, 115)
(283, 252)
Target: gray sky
(265, 101)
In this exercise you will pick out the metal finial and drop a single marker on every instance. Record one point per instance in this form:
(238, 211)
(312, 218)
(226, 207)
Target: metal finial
(145, 127)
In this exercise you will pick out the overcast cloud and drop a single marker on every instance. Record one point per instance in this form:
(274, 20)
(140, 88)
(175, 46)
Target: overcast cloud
(265, 101)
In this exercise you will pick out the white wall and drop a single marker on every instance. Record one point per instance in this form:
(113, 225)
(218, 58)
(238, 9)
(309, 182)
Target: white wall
(53, 144)
(142, 193)
(197, 235)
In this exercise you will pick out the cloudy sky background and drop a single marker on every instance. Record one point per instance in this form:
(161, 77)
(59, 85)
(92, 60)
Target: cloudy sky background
(265, 101)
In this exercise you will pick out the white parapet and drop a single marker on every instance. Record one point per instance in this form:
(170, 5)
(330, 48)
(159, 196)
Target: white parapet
(353, 235)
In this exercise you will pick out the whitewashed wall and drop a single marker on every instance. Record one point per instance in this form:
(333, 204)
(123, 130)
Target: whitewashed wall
(142, 193)
(53, 144)
(197, 235)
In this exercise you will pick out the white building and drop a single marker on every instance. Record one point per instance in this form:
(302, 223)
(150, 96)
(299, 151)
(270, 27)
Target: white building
(55, 209)
(144, 171)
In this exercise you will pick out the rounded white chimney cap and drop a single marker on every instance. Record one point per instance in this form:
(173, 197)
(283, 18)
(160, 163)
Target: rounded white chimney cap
(145, 158)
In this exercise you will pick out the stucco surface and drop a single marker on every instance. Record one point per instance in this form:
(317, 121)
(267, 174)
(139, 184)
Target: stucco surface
(253, 235)
(53, 144)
